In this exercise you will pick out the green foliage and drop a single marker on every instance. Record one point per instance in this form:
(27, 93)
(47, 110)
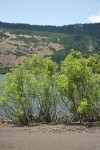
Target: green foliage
(38, 90)
(83, 106)
(82, 92)
(16, 95)
(4, 70)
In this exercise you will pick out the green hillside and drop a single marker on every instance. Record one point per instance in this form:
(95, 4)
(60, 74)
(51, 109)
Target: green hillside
(17, 40)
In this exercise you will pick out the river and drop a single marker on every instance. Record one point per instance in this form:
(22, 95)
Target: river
(2, 77)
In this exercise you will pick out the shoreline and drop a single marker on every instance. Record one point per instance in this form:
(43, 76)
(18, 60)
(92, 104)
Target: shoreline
(49, 137)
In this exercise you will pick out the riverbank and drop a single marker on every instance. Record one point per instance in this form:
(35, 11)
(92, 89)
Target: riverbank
(49, 137)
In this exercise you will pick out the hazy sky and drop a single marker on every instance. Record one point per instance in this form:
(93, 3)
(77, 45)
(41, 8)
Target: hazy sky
(50, 12)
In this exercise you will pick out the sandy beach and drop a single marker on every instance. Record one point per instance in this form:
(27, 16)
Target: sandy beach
(49, 137)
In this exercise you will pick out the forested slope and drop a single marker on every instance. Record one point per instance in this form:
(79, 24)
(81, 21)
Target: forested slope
(17, 40)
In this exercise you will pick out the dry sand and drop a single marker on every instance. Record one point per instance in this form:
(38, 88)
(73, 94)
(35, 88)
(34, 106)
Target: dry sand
(49, 137)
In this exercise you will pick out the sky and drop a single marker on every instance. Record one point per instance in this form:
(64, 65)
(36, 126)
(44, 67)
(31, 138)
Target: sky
(50, 12)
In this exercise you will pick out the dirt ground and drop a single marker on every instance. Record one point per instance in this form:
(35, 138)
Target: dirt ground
(49, 137)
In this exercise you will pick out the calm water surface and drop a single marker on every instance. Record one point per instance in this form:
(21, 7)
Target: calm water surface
(2, 77)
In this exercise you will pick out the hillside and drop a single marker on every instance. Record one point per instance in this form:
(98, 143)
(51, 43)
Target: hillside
(17, 40)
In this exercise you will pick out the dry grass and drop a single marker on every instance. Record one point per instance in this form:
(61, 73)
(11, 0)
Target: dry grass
(11, 46)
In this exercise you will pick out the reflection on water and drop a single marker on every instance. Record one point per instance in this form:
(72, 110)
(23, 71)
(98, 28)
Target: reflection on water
(2, 77)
